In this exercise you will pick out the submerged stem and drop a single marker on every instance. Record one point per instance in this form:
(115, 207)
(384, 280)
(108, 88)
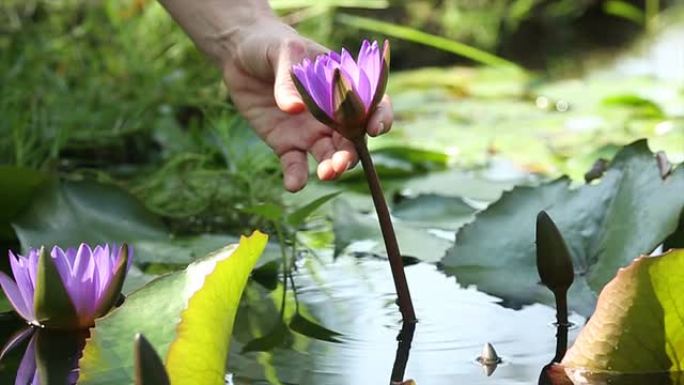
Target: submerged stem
(396, 264)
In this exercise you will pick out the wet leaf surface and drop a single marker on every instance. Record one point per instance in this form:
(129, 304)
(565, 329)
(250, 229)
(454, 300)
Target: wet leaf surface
(629, 212)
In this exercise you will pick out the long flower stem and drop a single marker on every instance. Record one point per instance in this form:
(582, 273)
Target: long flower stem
(396, 264)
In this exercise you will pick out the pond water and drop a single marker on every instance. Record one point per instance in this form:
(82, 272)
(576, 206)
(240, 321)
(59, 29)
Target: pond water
(355, 297)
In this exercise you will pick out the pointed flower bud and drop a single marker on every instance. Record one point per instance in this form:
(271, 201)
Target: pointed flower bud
(66, 289)
(342, 92)
(554, 262)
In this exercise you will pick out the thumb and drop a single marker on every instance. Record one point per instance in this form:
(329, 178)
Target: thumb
(292, 51)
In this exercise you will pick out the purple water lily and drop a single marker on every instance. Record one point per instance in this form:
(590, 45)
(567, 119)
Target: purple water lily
(67, 289)
(342, 92)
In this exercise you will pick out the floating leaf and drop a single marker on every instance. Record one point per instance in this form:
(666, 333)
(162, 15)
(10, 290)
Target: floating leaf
(629, 212)
(350, 226)
(69, 213)
(194, 306)
(434, 211)
(638, 325)
(642, 107)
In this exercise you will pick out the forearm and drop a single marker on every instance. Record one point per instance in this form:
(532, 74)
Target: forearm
(214, 25)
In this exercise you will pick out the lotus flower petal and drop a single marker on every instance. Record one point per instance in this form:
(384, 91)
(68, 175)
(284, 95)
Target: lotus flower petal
(365, 78)
(66, 289)
(15, 297)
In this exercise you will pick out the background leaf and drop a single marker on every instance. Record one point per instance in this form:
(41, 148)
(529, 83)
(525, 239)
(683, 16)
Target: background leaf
(18, 186)
(350, 227)
(434, 211)
(68, 213)
(300, 215)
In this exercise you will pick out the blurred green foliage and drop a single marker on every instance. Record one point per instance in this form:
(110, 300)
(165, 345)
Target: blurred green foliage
(113, 89)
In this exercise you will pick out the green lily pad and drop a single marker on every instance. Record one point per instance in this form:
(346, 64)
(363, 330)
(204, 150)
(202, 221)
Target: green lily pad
(638, 325)
(434, 211)
(187, 316)
(351, 226)
(69, 213)
(630, 211)
(19, 185)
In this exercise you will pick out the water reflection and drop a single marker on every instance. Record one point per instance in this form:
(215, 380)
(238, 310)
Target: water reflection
(47, 357)
(551, 374)
(405, 338)
(355, 297)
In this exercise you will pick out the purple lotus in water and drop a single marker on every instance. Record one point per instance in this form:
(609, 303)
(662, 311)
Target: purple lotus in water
(342, 92)
(66, 289)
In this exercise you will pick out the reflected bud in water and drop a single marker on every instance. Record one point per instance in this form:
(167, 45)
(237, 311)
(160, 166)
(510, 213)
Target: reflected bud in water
(342, 92)
(66, 289)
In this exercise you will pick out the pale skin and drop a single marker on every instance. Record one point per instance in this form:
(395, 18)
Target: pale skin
(255, 52)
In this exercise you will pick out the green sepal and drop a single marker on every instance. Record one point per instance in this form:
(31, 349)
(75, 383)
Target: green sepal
(349, 110)
(554, 262)
(149, 369)
(384, 76)
(111, 295)
(52, 304)
(315, 110)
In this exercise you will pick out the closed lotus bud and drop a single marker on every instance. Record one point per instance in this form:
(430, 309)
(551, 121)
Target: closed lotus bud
(66, 289)
(342, 92)
(554, 263)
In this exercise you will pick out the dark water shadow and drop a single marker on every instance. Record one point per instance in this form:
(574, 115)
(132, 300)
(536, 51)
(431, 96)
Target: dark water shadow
(405, 338)
(38, 356)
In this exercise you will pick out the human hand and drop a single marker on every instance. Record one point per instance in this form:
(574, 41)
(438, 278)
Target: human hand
(257, 74)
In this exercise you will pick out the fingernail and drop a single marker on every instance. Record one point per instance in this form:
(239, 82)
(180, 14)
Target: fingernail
(348, 166)
(381, 128)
